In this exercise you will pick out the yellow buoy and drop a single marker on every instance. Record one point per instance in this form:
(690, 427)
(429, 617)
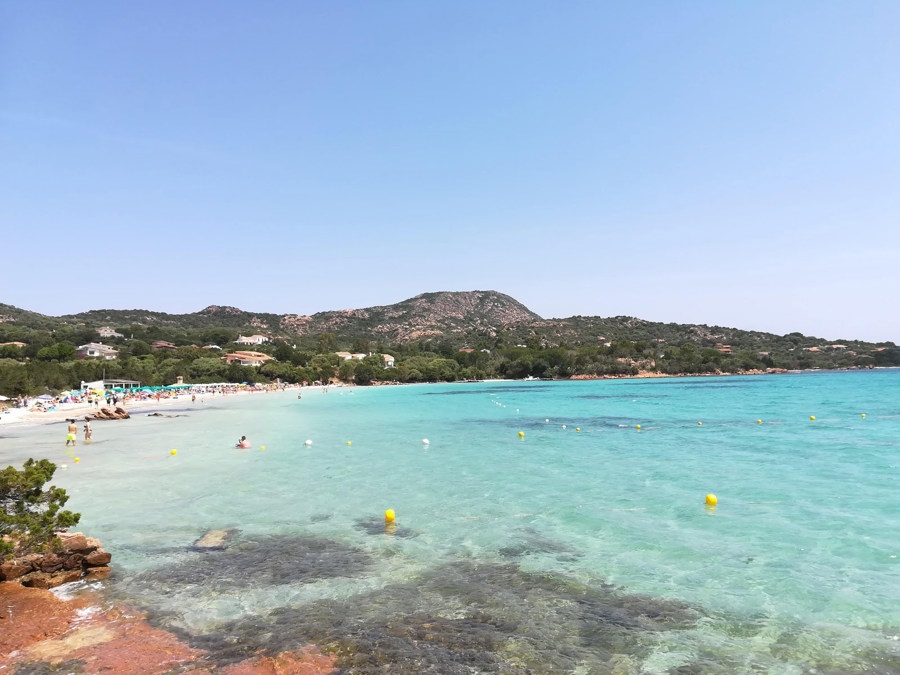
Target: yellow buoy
(577, 428)
(389, 516)
(262, 447)
(173, 452)
(711, 499)
(349, 442)
(521, 434)
(759, 421)
(637, 426)
(77, 459)
(699, 424)
(863, 415)
(812, 418)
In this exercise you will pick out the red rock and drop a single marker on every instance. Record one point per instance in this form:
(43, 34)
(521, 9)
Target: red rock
(75, 541)
(29, 615)
(50, 580)
(73, 561)
(97, 573)
(47, 630)
(41, 630)
(97, 558)
(13, 569)
(51, 563)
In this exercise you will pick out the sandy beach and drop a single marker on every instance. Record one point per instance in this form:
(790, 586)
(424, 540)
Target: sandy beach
(64, 411)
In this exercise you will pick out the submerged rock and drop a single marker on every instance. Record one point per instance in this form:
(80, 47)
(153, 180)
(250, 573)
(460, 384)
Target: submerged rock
(262, 561)
(214, 540)
(463, 618)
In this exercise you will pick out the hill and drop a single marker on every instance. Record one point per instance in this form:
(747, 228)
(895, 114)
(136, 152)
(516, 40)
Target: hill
(454, 319)
(446, 315)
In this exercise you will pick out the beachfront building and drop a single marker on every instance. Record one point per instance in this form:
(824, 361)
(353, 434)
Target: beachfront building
(101, 385)
(247, 358)
(388, 360)
(107, 332)
(251, 340)
(96, 350)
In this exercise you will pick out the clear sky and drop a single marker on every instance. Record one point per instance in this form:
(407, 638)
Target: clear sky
(732, 163)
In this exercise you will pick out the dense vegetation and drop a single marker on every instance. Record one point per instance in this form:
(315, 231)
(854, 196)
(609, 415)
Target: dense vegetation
(522, 346)
(30, 513)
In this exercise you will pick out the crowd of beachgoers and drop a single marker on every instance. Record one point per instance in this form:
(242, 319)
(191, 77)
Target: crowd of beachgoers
(79, 403)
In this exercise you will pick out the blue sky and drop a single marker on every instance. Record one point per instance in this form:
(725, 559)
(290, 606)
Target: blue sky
(729, 163)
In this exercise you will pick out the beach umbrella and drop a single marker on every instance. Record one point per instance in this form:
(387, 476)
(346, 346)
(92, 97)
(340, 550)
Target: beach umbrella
(4, 398)
(45, 397)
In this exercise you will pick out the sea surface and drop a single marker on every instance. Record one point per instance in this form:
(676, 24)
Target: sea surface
(541, 527)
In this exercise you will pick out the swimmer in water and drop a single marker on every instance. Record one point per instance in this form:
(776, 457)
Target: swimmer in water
(72, 433)
(243, 443)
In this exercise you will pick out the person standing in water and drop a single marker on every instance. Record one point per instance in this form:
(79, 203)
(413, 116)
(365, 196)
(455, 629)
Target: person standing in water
(88, 432)
(71, 434)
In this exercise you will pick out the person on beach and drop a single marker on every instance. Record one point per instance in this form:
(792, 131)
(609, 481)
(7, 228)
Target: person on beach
(71, 434)
(88, 432)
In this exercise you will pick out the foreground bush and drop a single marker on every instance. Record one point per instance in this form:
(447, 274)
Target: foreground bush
(30, 514)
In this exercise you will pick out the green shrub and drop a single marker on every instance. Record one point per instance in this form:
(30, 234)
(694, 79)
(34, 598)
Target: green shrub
(30, 514)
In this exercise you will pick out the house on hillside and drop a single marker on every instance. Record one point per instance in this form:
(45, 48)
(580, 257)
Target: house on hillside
(162, 344)
(347, 356)
(107, 332)
(251, 340)
(96, 350)
(247, 358)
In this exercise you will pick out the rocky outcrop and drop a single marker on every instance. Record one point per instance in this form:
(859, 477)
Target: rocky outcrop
(43, 633)
(78, 557)
(106, 414)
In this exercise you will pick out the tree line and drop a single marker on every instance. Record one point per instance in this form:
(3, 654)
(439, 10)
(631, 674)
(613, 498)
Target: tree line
(48, 362)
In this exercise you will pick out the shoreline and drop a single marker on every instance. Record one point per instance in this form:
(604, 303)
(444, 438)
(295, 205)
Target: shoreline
(20, 417)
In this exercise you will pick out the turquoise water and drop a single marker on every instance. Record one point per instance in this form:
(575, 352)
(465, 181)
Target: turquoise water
(583, 546)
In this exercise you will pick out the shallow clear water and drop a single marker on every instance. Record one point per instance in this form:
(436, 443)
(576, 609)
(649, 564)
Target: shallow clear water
(584, 546)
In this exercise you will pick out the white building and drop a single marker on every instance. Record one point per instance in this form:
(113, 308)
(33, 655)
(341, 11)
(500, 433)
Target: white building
(107, 332)
(96, 350)
(252, 340)
(347, 356)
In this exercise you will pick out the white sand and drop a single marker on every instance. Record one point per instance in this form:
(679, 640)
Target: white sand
(19, 416)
